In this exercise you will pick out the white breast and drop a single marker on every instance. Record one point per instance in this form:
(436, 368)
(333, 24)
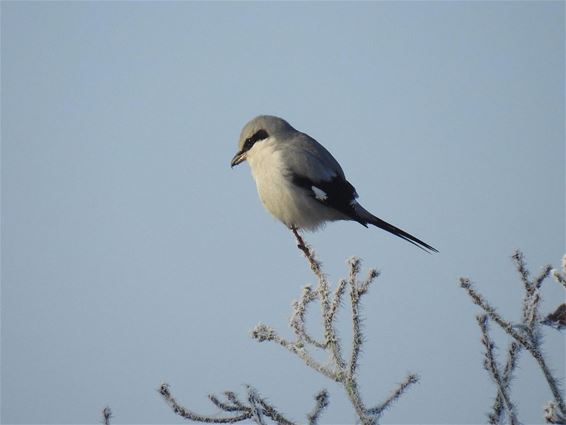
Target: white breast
(292, 205)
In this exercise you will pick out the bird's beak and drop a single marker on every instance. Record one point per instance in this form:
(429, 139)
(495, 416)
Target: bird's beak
(238, 158)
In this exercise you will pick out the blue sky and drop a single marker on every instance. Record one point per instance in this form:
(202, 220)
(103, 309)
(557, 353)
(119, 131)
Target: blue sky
(132, 254)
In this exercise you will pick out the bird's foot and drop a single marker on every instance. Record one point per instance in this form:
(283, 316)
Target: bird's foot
(302, 245)
(300, 242)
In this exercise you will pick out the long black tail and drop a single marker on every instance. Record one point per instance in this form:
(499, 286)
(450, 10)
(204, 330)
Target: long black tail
(365, 218)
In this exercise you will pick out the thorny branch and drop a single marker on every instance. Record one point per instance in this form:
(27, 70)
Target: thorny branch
(344, 371)
(557, 319)
(490, 364)
(257, 408)
(526, 335)
(513, 351)
(560, 277)
(321, 403)
(395, 395)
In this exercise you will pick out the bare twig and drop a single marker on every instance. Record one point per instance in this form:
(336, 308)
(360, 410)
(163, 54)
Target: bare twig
(106, 415)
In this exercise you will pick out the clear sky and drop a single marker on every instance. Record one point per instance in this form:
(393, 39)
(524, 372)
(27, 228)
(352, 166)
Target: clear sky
(132, 254)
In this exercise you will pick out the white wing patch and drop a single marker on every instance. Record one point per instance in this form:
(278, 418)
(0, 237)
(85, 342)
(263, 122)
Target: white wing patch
(319, 193)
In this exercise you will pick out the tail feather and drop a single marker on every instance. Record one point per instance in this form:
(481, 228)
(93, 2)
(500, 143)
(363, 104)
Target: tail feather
(364, 217)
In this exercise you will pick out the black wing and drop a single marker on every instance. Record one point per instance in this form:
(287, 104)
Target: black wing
(335, 193)
(339, 194)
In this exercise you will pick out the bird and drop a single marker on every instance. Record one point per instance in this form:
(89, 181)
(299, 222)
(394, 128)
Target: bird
(299, 182)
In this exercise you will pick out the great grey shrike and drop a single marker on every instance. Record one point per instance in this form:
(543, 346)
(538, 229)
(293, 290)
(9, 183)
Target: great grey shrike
(299, 182)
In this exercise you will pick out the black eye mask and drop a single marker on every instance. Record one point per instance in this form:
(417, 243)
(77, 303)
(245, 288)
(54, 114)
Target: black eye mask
(257, 137)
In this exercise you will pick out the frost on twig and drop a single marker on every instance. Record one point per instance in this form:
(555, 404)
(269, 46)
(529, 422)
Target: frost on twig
(255, 408)
(398, 392)
(560, 276)
(557, 319)
(513, 351)
(341, 367)
(321, 402)
(526, 335)
(490, 364)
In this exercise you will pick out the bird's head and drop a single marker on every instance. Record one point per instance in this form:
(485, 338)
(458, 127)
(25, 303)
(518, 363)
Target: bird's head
(256, 131)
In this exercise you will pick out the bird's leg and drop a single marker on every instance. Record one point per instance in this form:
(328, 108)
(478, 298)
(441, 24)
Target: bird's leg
(308, 252)
(302, 245)
(300, 242)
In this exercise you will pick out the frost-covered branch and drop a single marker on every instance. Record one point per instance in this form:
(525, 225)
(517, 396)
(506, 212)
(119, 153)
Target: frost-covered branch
(321, 403)
(395, 395)
(490, 364)
(513, 351)
(339, 370)
(560, 276)
(526, 334)
(256, 409)
(340, 367)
